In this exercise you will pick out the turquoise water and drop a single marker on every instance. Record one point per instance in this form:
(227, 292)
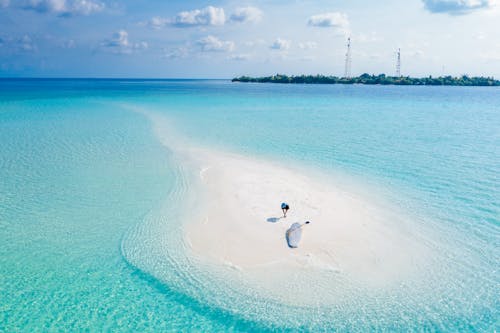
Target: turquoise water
(80, 173)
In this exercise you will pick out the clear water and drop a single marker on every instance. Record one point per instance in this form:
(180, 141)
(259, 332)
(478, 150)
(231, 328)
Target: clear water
(84, 182)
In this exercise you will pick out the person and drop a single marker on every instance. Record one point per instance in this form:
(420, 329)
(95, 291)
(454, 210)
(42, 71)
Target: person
(284, 208)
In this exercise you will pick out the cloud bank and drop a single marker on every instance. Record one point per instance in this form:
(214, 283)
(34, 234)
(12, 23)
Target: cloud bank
(208, 16)
(456, 7)
(199, 17)
(64, 7)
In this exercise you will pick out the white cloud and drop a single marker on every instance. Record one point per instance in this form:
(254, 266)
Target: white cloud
(119, 43)
(206, 16)
(119, 38)
(65, 7)
(157, 22)
(338, 21)
(46, 5)
(213, 44)
(308, 45)
(246, 14)
(85, 7)
(457, 7)
(280, 44)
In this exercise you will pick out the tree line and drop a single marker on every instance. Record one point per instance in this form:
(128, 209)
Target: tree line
(463, 80)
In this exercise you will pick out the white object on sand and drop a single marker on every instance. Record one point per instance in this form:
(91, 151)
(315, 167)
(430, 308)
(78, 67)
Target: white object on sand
(293, 235)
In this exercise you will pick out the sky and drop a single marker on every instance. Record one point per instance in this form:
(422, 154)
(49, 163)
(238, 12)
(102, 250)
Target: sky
(226, 38)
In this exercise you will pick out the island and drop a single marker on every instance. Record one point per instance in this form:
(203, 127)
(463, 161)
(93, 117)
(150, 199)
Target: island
(382, 79)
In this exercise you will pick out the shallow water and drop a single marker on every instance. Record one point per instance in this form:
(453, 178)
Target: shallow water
(85, 185)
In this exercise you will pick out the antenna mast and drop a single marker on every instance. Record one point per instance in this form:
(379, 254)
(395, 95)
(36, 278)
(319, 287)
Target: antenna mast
(347, 72)
(398, 64)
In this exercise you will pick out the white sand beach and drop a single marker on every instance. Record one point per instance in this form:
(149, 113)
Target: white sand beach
(238, 226)
(244, 225)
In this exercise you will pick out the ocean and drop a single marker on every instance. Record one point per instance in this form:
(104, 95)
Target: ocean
(84, 178)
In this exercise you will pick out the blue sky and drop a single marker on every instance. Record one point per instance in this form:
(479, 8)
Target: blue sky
(223, 39)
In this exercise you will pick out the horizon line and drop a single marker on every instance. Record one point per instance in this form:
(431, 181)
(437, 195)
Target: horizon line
(217, 79)
(101, 78)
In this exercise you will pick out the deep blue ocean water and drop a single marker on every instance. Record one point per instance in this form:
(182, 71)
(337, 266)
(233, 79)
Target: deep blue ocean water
(79, 169)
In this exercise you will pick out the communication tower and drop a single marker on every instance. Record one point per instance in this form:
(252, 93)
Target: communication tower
(347, 72)
(398, 64)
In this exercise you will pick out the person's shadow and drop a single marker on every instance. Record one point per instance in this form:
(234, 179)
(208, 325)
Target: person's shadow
(274, 219)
